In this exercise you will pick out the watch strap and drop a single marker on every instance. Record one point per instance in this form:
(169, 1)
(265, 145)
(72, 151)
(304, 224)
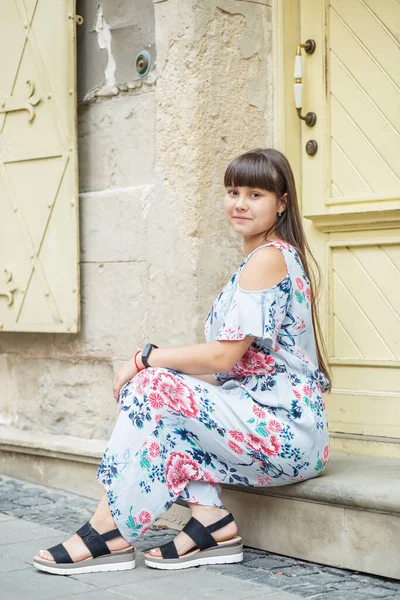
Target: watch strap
(146, 353)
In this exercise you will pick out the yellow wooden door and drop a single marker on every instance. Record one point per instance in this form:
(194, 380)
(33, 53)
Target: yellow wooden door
(39, 242)
(351, 198)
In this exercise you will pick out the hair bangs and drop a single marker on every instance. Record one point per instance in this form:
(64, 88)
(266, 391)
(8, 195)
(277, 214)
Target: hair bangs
(252, 170)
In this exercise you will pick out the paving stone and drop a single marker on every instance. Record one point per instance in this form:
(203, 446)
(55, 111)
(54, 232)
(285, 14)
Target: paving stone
(35, 585)
(12, 532)
(372, 592)
(26, 550)
(8, 564)
(391, 585)
(267, 563)
(4, 517)
(318, 578)
(310, 591)
(61, 513)
(100, 595)
(189, 583)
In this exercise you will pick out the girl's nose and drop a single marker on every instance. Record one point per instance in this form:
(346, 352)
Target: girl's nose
(241, 202)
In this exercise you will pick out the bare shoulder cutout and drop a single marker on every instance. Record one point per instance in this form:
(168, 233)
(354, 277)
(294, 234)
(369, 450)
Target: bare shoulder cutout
(264, 269)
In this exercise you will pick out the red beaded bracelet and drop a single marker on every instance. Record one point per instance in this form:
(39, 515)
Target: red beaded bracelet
(134, 360)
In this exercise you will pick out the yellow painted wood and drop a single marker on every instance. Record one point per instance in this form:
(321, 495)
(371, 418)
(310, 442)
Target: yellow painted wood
(367, 309)
(384, 448)
(287, 126)
(365, 413)
(39, 240)
(351, 192)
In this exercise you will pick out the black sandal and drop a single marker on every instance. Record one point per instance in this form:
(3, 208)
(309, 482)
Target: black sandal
(102, 558)
(207, 552)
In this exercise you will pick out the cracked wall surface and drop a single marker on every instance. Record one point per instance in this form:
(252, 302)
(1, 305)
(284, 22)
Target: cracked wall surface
(155, 247)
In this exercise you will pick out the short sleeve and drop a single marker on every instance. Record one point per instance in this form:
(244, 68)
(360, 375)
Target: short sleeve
(259, 314)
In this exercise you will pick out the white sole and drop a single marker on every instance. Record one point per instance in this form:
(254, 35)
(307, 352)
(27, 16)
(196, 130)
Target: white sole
(196, 562)
(126, 566)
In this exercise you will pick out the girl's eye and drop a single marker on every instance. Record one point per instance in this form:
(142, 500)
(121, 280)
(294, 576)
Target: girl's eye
(256, 194)
(231, 192)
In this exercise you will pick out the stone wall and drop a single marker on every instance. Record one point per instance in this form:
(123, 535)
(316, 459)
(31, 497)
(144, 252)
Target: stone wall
(155, 248)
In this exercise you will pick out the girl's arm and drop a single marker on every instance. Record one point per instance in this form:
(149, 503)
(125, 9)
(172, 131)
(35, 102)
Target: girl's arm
(209, 378)
(200, 359)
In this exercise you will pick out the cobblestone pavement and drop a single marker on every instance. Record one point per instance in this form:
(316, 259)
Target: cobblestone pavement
(66, 512)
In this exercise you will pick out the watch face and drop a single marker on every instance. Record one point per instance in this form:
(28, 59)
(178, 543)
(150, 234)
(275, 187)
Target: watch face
(146, 353)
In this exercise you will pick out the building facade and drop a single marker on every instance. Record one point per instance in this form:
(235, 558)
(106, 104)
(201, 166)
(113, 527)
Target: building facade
(111, 223)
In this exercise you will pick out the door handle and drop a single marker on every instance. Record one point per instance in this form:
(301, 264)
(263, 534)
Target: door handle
(309, 47)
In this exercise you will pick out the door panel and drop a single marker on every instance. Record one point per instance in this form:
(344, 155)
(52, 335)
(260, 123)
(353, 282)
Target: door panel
(349, 188)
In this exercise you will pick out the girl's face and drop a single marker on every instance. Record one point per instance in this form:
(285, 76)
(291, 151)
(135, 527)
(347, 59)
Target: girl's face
(252, 211)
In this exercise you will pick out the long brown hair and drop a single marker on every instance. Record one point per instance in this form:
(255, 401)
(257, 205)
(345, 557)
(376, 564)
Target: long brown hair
(268, 169)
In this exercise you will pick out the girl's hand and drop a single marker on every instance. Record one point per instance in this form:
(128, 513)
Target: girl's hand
(125, 374)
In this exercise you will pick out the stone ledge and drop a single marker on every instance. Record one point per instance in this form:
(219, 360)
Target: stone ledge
(346, 481)
(349, 480)
(348, 517)
(49, 445)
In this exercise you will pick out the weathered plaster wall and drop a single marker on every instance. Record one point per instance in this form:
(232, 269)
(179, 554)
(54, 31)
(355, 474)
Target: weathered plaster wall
(155, 248)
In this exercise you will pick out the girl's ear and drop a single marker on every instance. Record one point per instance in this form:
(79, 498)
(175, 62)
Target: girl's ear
(283, 202)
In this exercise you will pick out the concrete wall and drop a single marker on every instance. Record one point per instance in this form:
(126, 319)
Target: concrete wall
(155, 248)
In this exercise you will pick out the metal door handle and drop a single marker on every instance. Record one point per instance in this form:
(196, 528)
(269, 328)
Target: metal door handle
(309, 47)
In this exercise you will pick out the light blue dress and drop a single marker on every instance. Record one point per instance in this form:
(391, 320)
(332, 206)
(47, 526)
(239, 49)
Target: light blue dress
(177, 436)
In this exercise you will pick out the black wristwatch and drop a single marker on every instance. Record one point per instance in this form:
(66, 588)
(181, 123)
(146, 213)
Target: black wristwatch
(146, 353)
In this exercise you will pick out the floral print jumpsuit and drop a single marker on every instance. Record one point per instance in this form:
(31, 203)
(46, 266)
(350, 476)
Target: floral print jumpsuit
(177, 436)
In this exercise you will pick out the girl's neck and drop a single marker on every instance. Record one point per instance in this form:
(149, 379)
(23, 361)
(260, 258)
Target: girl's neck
(251, 244)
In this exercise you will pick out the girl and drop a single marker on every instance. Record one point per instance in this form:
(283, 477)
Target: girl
(243, 408)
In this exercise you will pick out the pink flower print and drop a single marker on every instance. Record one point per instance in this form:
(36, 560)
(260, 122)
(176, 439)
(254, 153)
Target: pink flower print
(254, 442)
(308, 294)
(232, 334)
(143, 380)
(208, 477)
(177, 395)
(307, 391)
(300, 324)
(179, 470)
(144, 518)
(326, 452)
(156, 400)
(297, 394)
(259, 412)
(237, 449)
(300, 284)
(272, 446)
(274, 426)
(253, 362)
(237, 435)
(157, 419)
(154, 450)
(263, 480)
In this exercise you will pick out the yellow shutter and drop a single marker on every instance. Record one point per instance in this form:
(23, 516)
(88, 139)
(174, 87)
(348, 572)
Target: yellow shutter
(39, 238)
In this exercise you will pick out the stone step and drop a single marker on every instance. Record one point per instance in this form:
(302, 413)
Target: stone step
(348, 517)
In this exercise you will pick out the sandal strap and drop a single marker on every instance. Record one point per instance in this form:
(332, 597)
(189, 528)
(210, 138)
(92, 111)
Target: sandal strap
(93, 540)
(168, 550)
(199, 534)
(60, 554)
(110, 535)
(221, 523)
